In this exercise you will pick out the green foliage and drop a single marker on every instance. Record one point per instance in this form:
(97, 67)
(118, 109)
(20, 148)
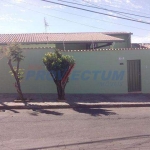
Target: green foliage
(14, 54)
(57, 61)
(13, 51)
(19, 74)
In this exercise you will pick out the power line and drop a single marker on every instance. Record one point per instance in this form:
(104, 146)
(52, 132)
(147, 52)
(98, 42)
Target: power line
(95, 7)
(99, 19)
(122, 8)
(109, 10)
(88, 6)
(60, 18)
(98, 7)
(97, 12)
(56, 16)
(89, 17)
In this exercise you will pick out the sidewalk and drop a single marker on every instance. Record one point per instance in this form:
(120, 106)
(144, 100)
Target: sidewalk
(48, 101)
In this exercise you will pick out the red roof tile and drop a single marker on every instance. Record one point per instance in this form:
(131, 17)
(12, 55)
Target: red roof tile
(57, 37)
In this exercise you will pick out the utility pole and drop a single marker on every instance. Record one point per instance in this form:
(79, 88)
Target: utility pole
(46, 25)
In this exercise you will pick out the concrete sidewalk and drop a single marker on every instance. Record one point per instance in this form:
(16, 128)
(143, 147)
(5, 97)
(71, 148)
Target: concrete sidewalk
(61, 105)
(48, 101)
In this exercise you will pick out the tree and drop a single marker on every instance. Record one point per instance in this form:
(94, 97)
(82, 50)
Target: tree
(59, 67)
(13, 52)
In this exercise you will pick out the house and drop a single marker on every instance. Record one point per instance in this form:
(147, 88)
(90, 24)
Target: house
(105, 63)
(140, 45)
(71, 41)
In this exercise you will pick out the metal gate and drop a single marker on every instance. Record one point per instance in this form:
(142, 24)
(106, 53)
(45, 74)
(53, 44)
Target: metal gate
(134, 75)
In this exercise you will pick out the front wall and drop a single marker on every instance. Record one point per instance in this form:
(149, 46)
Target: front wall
(94, 72)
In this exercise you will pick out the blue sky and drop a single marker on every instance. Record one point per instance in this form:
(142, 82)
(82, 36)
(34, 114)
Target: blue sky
(27, 16)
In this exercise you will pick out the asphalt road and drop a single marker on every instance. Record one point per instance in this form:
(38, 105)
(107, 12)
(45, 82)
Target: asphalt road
(79, 129)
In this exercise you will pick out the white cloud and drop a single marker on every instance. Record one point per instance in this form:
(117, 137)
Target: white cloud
(23, 10)
(137, 39)
(112, 18)
(133, 5)
(108, 1)
(127, 1)
(10, 18)
(116, 3)
(23, 20)
(53, 6)
(7, 5)
(18, 1)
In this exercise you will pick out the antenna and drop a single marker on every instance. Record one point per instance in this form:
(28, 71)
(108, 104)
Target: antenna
(46, 25)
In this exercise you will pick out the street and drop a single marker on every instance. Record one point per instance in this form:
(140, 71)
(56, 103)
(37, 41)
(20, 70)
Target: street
(75, 129)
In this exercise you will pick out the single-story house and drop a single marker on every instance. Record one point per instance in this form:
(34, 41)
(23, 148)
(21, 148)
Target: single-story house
(105, 63)
(72, 41)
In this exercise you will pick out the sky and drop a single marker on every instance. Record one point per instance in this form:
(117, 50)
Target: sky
(27, 16)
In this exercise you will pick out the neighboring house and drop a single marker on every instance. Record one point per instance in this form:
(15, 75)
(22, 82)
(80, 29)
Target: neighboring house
(140, 45)
(71, 41)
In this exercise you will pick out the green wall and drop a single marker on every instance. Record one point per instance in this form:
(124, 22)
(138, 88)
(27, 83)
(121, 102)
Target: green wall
(94, 72)
(71, 46)
(125, 44)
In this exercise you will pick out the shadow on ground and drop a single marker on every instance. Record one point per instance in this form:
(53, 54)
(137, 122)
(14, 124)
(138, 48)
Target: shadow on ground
(12, 110)
(94, 111)
(44, 111)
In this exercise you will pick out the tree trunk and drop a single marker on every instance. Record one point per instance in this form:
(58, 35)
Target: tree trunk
(17, 83)
(60, 91)
(18, 88)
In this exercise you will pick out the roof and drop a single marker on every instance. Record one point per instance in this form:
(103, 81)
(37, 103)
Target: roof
(141, 45)
(116, 33)
(146, 45)
(57, 37)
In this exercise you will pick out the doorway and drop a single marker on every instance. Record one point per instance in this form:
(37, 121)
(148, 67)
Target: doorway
(134, 75)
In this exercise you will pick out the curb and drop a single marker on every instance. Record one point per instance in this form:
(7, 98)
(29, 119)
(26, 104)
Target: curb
(66, 106)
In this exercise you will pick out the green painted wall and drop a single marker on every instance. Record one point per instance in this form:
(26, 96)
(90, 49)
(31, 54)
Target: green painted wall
(94, 72)
(125, 44)
(71, 46)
